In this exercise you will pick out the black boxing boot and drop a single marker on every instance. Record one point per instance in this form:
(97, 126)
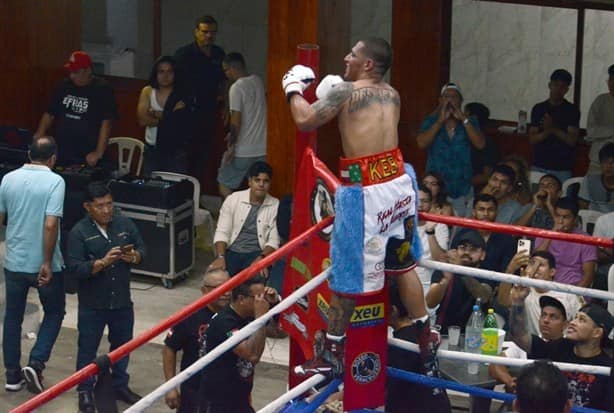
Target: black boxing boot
(429, 340)
(328, 357)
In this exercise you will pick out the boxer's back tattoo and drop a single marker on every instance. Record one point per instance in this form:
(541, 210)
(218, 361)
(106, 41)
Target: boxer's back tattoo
(364, 97)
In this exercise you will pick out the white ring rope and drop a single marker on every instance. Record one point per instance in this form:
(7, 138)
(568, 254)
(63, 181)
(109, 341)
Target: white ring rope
(231, 342)
(459, 355)
(515, 279)
(293, 393)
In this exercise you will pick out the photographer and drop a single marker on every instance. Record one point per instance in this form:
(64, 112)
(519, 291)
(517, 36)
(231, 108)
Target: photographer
(101, 249)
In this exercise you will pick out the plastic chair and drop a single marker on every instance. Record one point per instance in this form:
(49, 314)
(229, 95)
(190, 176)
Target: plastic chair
(569, 182)
(125, 154)
(201, 215)
(534, 177)
(588, 217)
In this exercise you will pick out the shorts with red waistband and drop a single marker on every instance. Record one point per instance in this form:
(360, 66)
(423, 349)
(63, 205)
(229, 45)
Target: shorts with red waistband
(374, 223)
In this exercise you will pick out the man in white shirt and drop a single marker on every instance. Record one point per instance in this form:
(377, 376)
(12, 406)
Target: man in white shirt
(247, 136)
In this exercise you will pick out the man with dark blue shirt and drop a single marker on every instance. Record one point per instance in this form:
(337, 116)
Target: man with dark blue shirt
(101, 249)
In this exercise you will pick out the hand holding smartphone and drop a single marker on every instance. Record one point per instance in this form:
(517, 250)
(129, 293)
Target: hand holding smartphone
(524, 245)
(126, 249)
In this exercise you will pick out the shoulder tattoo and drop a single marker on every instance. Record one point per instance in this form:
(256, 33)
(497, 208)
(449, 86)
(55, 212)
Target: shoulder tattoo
(364, 97)
(330, 105)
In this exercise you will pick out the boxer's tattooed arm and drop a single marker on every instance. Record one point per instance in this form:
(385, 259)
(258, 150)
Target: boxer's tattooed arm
(328, 107)
(339, 314)
(364, 97)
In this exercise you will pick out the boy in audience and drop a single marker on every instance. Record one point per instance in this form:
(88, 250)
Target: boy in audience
(501, 185)
(540, 214)
(597, 190)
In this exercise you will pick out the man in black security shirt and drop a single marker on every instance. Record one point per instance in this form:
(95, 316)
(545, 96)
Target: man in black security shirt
(189, 336)
(226, 383)
(584, 343)
(84, 108)
(101, 249)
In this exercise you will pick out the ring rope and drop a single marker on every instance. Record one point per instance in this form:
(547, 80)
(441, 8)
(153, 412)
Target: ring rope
(472, 390)
(293, 393)
(505, 361)
(229, 343)
(515, 279)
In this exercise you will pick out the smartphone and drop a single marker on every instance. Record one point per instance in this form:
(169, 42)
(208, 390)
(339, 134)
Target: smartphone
(524, 245)
(127, 248)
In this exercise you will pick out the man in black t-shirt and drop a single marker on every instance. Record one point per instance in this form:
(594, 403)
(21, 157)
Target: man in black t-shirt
(83, 108)
(189, 336)
(554, 129)
(226, 383)
(583, 344)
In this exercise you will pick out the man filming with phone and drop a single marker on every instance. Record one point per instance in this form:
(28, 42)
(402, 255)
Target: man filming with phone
(101, 249)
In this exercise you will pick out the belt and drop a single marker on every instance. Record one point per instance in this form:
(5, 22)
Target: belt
(372, 169)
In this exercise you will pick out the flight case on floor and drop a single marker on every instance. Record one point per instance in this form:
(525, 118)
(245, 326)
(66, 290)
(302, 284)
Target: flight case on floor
(169, 238)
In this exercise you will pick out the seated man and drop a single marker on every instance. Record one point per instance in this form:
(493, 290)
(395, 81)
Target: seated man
(554, 129)
(575, 262)
(540, 214)
(604, 228)
(404, 396)
(583, 344)
(600, 122)
(542, 387)
(246, 228)
(501, 185)
(597, 190)
(542, 266)
(455, 294)
(553, 322)
(188, 336)
(83, 108)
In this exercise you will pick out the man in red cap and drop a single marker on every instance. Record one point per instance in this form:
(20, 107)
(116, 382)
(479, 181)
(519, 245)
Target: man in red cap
(83, 107)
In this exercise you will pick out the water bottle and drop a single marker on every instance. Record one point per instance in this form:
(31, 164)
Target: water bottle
(490, 334)
(473, 337)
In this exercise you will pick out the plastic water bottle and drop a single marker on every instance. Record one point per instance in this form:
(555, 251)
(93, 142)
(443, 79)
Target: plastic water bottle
(490, 334)
(473, 337)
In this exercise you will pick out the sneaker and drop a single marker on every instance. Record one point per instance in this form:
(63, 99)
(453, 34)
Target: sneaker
(328, 359)
(14, 381)
(86, 402)
(34, 379)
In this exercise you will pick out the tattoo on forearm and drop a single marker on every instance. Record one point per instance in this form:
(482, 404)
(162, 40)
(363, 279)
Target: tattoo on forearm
(518, 326)
(364, 97)
(339, 316)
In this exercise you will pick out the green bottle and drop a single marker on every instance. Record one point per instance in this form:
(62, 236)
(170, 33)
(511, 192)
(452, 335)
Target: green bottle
(490, 334)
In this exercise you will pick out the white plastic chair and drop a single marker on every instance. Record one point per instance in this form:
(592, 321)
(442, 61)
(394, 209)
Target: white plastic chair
(201, 215)
(534, 177)
(588, 217)
(125, 154)
(571, 181)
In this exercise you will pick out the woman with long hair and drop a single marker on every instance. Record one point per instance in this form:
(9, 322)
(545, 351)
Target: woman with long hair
(436, 184)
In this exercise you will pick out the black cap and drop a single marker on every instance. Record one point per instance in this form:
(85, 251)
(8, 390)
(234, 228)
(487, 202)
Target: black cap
(470, 236)
(549, 301)
(561, 74)
(600, 316)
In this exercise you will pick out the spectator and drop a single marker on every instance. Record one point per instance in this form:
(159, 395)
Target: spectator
(247, 136)
(554, 129)
(584, 344)
(102, 247)
(600, 122)
(199, 66)
(433, 236)
(84, 108)
(455, 293)
(404, 396)
(31, 198)
(597, 190)
(449, 135)
(246, 229)
(542, 387)
(226, 383)
(522, 188)
(163, 113)
(482, 160)
(501, 185)
(575, 262)
(541, 212)
(604, 228)
(437, 185)
(553, 321)
(542, 266)
(188, 336)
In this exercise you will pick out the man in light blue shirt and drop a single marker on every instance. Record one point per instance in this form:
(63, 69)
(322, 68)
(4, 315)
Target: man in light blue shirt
(32, 199)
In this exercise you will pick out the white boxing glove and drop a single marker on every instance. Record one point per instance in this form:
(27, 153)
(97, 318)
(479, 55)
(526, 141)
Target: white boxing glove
(327, 84)
(297, 79)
